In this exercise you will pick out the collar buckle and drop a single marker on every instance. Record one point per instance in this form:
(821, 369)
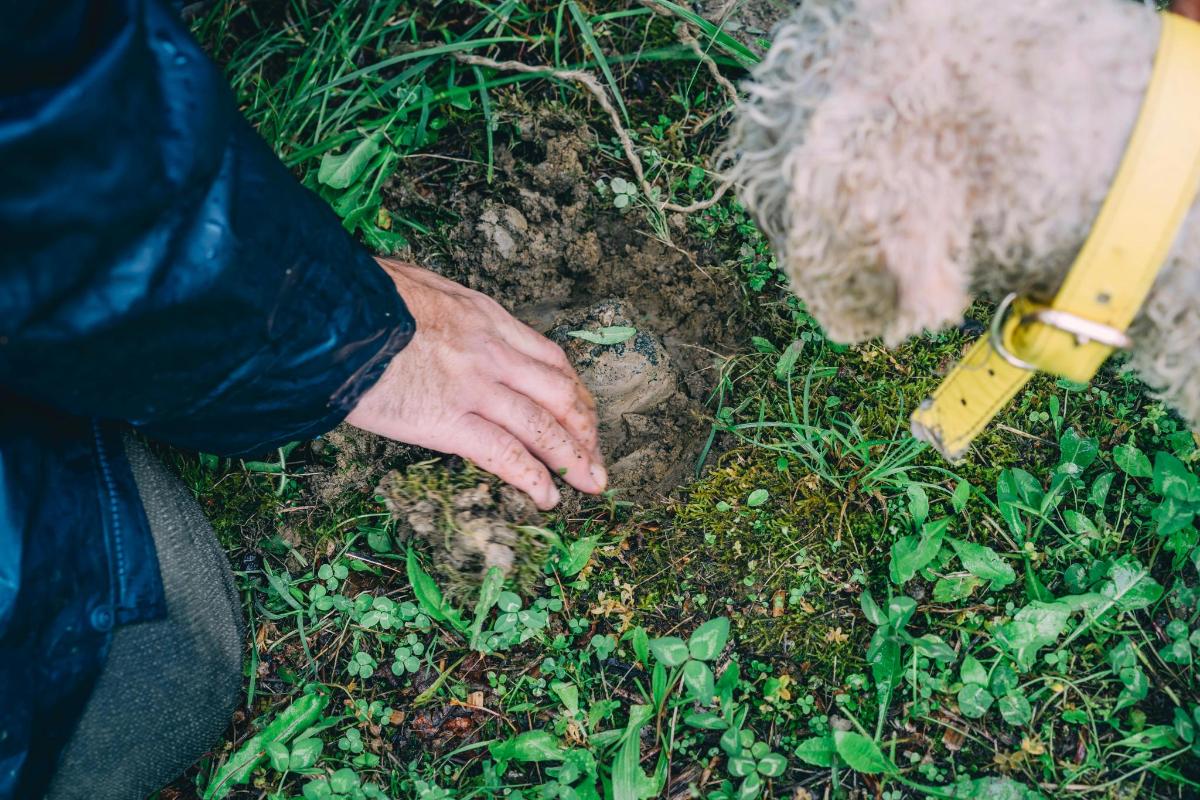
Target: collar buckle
(1084, 330)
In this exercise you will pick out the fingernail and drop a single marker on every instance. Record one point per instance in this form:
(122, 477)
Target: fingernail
(599, 475)
(555, 496)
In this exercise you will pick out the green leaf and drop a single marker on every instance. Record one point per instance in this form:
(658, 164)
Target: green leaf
(613, 334)
(757, 498)
(509, 602)
(1080, 524)
(787, 360)
(1004, 679)
(1132, 461)
(1130, 586)
(772, 765)
(962, 493)
(1136, 687)
(972, 671)
(705, 720)
(342, 171)
(918, 503)
(671, 651)
(763, 345)
(983, 562)
(1155, 737)
(817, 751)
(344, 781)
(708, 640)
(872, 610)
(641, 645)
(577, 556)
(277, 756)
(568, 695)
(1018, 492)
(953, 588)
(698, 679)
(1076, 453)
(489, 593)
(900, 610)
(751, 787)
(305, 753)
(992, 789)
(429, 596)
(1185, 728)
(911, 554)
(629, 782)
(740, 766)
(1015, 709)
(1032, 628)
(379, 541)
(298, 716)
(932, 646)
(529, 747)
(1098, 495)
(861, 754)
(1172, 479)
(318, 790)
(974, 700)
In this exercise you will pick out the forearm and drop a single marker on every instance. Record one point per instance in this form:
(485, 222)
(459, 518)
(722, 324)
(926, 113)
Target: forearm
(160, 265)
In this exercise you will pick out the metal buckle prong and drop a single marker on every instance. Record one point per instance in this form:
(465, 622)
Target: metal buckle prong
(1084, 330)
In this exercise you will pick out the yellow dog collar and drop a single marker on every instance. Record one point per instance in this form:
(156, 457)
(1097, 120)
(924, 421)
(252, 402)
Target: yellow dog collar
(1074, 334)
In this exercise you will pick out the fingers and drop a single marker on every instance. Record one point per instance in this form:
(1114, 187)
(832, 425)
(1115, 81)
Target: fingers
(562, 395)
(503, 455)
(534, 345)
(547, 439)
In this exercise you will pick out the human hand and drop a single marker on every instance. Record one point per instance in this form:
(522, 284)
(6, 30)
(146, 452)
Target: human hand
(476, 382)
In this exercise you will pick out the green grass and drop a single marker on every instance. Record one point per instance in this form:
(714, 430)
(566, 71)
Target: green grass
(827, 607)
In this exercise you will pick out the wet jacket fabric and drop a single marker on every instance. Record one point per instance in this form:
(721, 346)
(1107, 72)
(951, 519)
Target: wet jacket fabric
(159, 268)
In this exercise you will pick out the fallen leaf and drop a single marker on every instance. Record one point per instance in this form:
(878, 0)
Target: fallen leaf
(836, 636)
(778, 603)
(953, 739)
(1033, 746)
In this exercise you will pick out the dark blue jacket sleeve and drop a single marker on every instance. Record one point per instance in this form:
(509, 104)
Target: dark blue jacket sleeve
(158, 264)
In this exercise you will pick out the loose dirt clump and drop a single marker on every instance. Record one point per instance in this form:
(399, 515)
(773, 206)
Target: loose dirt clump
(469, 531)
(356, 460)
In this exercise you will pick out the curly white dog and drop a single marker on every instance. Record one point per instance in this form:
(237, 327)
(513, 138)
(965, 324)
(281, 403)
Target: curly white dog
(907, 155)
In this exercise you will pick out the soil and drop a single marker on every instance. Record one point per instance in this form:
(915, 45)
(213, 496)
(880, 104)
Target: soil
(543, 242)
(470, 531)
(748, 21)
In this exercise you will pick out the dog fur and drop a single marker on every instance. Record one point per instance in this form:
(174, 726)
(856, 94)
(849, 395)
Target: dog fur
(905, 156)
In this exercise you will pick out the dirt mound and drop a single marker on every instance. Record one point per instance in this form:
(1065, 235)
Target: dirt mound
(543, 240)
(650, 430)
(469, 531)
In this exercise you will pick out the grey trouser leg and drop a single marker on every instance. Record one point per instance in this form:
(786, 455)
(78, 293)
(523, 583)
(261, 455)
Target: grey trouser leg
(169, 688)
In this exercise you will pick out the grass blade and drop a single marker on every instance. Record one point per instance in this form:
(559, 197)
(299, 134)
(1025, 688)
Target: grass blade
(589, 38)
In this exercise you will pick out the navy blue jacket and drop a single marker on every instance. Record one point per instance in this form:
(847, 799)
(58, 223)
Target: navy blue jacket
(159, 268)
